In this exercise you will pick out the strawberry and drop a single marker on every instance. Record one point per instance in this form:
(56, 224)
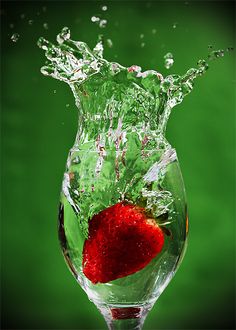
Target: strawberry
(122, 240)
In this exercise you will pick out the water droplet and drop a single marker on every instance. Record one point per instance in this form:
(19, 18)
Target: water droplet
(102, 23)
(104, 8)
(95, 19)
(109, 43)
(15, 37)
(54, 91)
(45, 26)
(64, 35)
(143, 44)
(67, 105)
(30, 22)
(22, 16)
(43, 43)
(175, 25)
(141, 36)
(11, 26)
(169, 60)
(154, 31)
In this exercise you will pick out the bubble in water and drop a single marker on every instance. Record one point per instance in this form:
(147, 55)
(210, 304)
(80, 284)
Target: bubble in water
(141, 36)
(169, 60)
(54, 91)
(30, 22)
(11, 26)
(109, 43)
(67, 105)
(175, 25)
(45, 26)
(104, 8)
(15, 37)
(22, 16)
(143, 44)
(102, 23)
(95, 19)
(154, 31)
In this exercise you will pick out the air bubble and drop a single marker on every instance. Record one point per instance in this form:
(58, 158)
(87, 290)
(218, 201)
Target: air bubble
(104, 8)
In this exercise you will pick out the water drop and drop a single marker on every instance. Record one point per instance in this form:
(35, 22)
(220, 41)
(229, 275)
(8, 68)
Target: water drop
(67, 105)
(215, 54)
(43, 43)
(22, 16)
(54, 91)
(30, 22)
(154, 31)
(104, 8)
(45, 26)
(109, 43)
(11, 26)
(169, 60)
(15, 37)
(95, 19)
(142, 44)
(102, 23)
(64, 35)
(141, 36)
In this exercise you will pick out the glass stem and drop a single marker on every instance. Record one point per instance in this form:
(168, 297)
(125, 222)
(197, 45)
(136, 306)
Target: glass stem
(121, 318)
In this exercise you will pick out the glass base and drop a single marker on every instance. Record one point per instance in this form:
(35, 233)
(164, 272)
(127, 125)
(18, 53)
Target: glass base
(125, 317)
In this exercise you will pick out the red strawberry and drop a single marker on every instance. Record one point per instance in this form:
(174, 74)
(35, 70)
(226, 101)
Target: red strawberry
(121, 241)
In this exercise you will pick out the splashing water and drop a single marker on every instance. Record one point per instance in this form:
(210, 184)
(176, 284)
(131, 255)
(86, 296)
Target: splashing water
(117, 104)
(74, 63)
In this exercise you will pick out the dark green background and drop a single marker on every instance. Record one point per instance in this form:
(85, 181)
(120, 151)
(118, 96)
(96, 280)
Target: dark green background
(38, 292)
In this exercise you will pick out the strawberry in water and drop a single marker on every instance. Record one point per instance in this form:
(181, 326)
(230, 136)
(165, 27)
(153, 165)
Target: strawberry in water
(122, 240)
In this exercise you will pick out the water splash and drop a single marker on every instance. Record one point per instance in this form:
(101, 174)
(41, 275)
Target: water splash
(123, 113)
(75, 63)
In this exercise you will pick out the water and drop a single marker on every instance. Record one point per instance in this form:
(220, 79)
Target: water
(169, 60)
(15, 37)
(120, 159)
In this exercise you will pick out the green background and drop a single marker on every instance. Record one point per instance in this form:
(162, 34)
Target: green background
(38, 292)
